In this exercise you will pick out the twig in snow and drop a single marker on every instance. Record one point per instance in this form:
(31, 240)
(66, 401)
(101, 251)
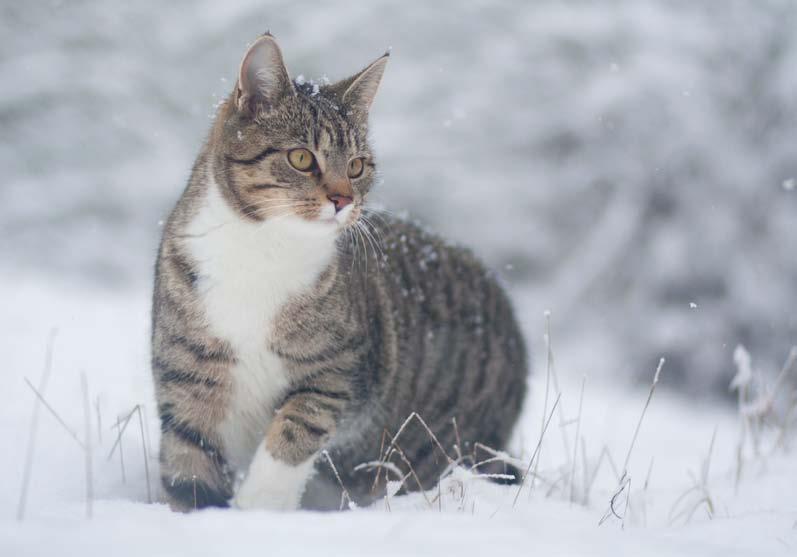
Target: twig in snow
(604, 454)
(432, 436)
(548, 366)
(121, 454)
(146, 455)
(99, 418)
(345, 498)
(412, 472)
(647, 476)
(611, 511)
(536, 450)
(625, 479)
(699, 485)
(458, 446)
(376, 464)
(146, 429)
(553, 375)
(575, 445)
(87, 449)
(55, 415)
(585, 472)
(34, 425)
(642, 416)
(783, 435)
(121, 429)
(385, 435)
(499, 456)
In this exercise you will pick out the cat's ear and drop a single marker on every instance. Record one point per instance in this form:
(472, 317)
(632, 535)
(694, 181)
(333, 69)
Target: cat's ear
(262, 79)
(358, 91)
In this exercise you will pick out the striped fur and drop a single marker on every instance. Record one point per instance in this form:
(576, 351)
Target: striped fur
(281, 328)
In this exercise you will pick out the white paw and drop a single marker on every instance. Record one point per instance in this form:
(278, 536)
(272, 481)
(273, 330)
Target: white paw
(272, 484)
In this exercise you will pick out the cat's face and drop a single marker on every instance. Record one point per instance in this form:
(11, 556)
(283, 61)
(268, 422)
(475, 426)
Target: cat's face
(292, 150)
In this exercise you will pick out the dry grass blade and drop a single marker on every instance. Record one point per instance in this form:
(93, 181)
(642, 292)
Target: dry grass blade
(575, 445)
(414, 475)
(548, 367)
(647, 476)
(121, 454)
(99, 418)
(385, 435)
(642, 416)
(536, 449)
(84, 385)
(377, 464)
(612, 510)
(429, 431)
(34, 425)
(585, 472)
(625, 479)
(699, 485)
(344, 495)
(604, 455)
(55, 415)
(393, 446)
(496, 456)
(122, 429)
(458, 446)
(146, 454)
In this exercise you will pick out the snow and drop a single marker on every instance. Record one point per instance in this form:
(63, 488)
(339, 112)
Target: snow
(630, 170)
(105, 335)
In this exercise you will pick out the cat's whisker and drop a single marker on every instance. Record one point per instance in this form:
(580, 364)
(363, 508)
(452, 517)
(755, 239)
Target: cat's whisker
(374, 231)
(363, 234)
(360, 246)
(254, 209)
(382, 214)
(376, 241)
(367, 236)
(353, 253)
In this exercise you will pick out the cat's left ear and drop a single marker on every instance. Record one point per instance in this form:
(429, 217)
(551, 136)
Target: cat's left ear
(262, 79)
(358, 91)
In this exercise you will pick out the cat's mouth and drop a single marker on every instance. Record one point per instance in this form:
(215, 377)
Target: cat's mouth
(338, 216)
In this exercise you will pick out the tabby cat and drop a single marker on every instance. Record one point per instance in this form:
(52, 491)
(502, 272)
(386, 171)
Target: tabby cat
(282, 328)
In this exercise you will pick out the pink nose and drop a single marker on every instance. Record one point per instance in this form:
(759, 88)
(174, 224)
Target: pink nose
(340, 201)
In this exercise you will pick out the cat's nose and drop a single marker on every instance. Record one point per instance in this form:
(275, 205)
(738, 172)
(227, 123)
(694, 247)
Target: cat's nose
(340, 201)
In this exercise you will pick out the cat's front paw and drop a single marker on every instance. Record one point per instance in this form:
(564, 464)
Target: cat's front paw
(272, 484)
(265, 496)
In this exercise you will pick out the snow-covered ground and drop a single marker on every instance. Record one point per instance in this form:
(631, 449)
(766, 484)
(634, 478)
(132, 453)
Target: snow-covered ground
(622, 159)
(104, 335)
(629, 165)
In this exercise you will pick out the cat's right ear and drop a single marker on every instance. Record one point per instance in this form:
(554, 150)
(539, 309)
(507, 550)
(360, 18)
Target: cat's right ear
(262, 79)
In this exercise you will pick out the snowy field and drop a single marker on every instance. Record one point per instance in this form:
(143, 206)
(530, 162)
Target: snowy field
(679, 504)
(629, 165)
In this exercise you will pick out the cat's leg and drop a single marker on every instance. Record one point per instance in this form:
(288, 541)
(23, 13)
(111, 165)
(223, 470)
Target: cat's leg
(283, 463)
(193, 472)
(192, 383)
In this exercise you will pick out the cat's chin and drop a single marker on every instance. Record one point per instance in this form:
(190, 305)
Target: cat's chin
(336, 221)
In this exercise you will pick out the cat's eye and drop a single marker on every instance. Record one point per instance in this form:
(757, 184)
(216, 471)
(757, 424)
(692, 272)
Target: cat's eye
(301, 159)
(355, 168)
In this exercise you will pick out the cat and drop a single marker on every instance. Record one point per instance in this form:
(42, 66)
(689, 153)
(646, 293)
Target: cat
(290, 323)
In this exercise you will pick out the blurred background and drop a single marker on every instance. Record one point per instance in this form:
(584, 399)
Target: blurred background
(630, 166)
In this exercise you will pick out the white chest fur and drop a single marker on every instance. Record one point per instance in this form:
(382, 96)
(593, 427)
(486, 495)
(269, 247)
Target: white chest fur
(247, 272)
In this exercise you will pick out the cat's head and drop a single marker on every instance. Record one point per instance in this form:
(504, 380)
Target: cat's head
(295, 149)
